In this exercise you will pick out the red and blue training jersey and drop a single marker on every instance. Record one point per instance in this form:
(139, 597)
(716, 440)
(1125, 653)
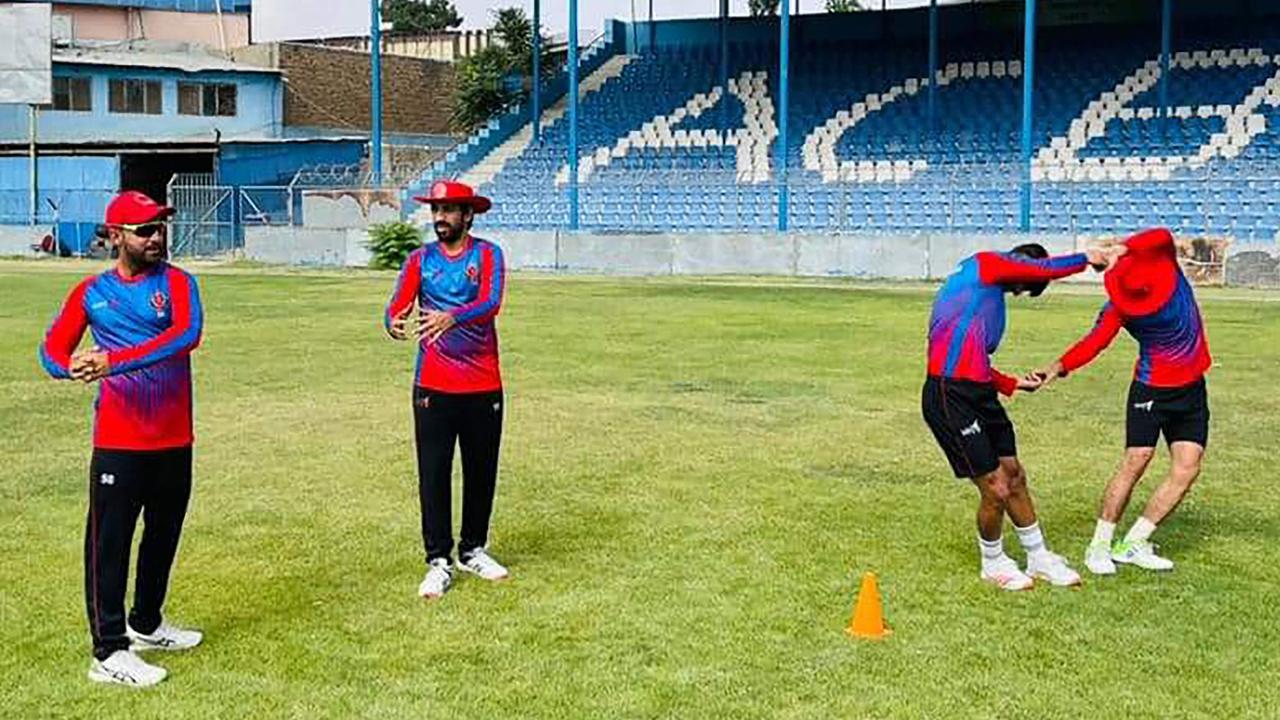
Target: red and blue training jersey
(1172, 347)
(148, 325)
(969, 312)
(468, 285)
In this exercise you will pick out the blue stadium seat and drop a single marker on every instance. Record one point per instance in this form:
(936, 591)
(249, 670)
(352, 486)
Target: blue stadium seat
(970, 175)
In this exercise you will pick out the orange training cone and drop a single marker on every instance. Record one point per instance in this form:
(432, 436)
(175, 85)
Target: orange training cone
(868, 615)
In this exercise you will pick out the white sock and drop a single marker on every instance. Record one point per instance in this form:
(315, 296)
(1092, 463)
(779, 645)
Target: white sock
(1104, 531)
(1141, 531)
(991, 550)
(1031, 538)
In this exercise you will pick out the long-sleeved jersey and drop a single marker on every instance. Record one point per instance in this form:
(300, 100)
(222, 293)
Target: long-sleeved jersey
(1172, 348)
(148, 325)
(468, 285)
(969, 312)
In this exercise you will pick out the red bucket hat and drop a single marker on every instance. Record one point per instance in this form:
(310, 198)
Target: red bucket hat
(455, 193)
(1145, 277)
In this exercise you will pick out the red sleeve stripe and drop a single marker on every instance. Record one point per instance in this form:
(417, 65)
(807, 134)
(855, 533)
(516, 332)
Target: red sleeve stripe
(406, 290)
(65, 333)
(995, 268)
(489, 299)
(1005, 384)
(180, 293)
(1150, 240)
(1092, 344)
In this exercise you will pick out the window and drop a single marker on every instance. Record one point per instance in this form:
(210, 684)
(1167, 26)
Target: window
(72, 93)
(206, 99)
(135, 96)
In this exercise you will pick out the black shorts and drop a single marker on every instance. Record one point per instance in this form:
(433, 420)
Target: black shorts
(969, 423)
(1180, 413)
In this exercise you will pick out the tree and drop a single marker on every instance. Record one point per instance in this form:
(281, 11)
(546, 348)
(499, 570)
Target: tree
(514, 31)
(420, 16)
(480, 88)
(844, 6)
(763, 7)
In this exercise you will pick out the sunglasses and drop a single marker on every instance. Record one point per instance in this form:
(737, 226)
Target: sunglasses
(145, 230)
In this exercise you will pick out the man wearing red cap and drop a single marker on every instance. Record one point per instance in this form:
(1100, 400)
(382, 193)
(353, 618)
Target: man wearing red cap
(1150, 297)
(457, 285)
(146, 318)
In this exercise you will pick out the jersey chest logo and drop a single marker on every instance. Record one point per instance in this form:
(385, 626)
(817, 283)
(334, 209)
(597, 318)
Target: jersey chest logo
(159, 303)
(473, 274)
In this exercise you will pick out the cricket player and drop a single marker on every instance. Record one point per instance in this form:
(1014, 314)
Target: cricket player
(961, 407)
(145, 317)
(456, 285)
(1150, 298)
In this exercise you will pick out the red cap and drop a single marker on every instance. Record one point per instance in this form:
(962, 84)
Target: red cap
(1144, 278)
(134, 208)
(455, 193)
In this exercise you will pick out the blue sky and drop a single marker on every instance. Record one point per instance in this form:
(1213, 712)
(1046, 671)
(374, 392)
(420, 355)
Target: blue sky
(592, 13)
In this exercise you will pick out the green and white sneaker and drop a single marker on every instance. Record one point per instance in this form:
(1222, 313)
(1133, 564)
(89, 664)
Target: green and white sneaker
(1141, 553)
(1098, 558)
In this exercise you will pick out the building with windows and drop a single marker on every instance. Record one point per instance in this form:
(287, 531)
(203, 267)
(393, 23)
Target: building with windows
(142, 91)
(151, 92)
(222, 24)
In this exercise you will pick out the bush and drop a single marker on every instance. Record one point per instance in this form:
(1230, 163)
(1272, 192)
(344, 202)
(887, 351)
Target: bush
(391, 243)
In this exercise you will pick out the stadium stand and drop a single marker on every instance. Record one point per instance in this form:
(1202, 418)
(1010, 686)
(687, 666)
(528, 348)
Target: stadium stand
(665, 147)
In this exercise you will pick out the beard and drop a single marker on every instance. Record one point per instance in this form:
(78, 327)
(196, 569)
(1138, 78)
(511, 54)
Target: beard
(447, 233)
(149, 255)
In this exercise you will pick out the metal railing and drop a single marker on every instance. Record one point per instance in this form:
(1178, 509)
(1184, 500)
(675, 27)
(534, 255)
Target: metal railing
(212, 219)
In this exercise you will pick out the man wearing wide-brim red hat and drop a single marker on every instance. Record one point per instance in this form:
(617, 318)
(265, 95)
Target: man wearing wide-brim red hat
(1148, 295)
(456, 284)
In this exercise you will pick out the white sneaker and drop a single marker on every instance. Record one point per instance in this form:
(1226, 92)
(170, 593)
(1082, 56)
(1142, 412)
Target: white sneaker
(1141, 553)
(1052, 567)
(1005, 574)
(478, 562)
(439, 578)
(125, 668)
(1098, 559)
(165, 637)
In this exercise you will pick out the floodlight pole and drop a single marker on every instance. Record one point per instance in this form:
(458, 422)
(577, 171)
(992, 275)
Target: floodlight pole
(724, 66)
(35, 167)
(784, 70)
(653, 31)
(573, 114)
(375, 111)
(723, 83)
(536, 82)
(933, 65)
(1028, 88)
(1166, 42)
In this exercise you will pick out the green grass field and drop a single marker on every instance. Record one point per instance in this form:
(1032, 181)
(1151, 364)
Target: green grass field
(694, 477)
